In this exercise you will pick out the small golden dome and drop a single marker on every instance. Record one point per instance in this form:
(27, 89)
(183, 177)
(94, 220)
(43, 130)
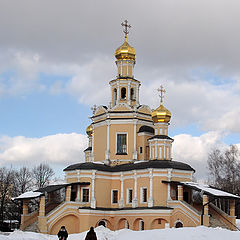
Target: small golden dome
(125, 52)
(161, 114)
(89, 130)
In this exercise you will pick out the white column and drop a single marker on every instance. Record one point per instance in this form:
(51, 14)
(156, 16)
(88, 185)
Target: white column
(92, 153)
(169, 187)
(118, 92)
(150, 199)
(129, 86)
(93, 200)
(135, 140)
(137, 95)
(164, 151)
(107, 153)
(78, 194)
(156, 151)
(135, 200)
(121, 201)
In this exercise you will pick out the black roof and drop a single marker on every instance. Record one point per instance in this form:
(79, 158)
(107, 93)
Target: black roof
(51, 188)
(145, 128)
(127, 208)
(88, 149)
(131, 166)
(161, 137)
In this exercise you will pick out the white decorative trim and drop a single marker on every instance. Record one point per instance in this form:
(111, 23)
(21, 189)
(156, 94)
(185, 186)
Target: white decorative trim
(150, 199)
(93, 200)
(121, 201)
(135, 200)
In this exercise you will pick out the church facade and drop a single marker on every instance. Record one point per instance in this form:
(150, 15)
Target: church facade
(128, 179)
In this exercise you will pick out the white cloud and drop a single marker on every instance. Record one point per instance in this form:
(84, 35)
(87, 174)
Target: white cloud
(61, 149)
(194, 150)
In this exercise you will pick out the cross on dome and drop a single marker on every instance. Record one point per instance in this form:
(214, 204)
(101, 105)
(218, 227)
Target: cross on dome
(162, 91)
(126, 26)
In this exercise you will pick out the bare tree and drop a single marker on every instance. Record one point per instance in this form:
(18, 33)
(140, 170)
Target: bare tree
(23, 180)
(224, 169)
(6, 187)
(42, 175)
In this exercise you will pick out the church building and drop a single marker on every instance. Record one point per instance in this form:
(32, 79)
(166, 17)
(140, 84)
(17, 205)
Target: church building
(128, 178)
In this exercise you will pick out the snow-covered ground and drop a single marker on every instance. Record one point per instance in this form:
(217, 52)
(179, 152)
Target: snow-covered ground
(197, 233)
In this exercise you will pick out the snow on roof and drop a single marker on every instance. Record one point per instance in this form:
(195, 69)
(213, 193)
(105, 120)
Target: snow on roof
(210, 190)
(28, 195)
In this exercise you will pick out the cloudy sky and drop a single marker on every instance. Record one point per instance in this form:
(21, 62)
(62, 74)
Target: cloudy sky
(57, 58)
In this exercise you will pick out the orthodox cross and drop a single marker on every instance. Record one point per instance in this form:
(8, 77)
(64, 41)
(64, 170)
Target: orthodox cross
(94, 108)
(162, 91)
(126, 26)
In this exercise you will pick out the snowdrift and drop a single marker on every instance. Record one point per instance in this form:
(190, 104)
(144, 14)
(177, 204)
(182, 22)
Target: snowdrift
(197, 233)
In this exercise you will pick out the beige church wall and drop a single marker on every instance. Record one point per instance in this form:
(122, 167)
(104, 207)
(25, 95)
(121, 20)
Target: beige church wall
(142, 141)
(184, 217)
(160, 191)
(158, 223)
(70, 221)
(103, 192)
(142, 182)
(121, 128)
(115, 185)
(100, 143)
(71, 179)
(128, 184)
(180, 179)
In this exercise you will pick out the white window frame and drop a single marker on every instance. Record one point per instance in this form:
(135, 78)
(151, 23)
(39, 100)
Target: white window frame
(127, 195)
(141, 194)
(88, 194)
(112, 196)
(116, 141)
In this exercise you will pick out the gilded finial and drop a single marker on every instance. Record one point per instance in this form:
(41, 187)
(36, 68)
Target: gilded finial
(126, 26)
(162, 91)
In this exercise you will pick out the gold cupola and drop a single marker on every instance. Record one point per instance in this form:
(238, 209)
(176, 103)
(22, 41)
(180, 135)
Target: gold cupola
(89, 130)
(125, 52)
(161, 114)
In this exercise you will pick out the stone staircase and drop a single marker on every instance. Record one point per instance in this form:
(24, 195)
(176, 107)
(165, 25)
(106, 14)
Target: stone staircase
(32, 228)
(214, 222)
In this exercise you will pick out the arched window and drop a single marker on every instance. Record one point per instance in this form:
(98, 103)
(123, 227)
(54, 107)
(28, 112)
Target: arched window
(123, 93)
(114, 96)
(132, 94)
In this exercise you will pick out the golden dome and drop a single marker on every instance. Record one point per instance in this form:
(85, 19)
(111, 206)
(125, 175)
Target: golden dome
(161, 114)
(125, 52)
(89, 130)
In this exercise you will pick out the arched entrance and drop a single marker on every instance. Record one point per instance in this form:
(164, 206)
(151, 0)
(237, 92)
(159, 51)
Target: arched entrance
(138, 224)
(102, 223)
(178, 224)
(123, 223)
(158, 223)
(71, 222)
